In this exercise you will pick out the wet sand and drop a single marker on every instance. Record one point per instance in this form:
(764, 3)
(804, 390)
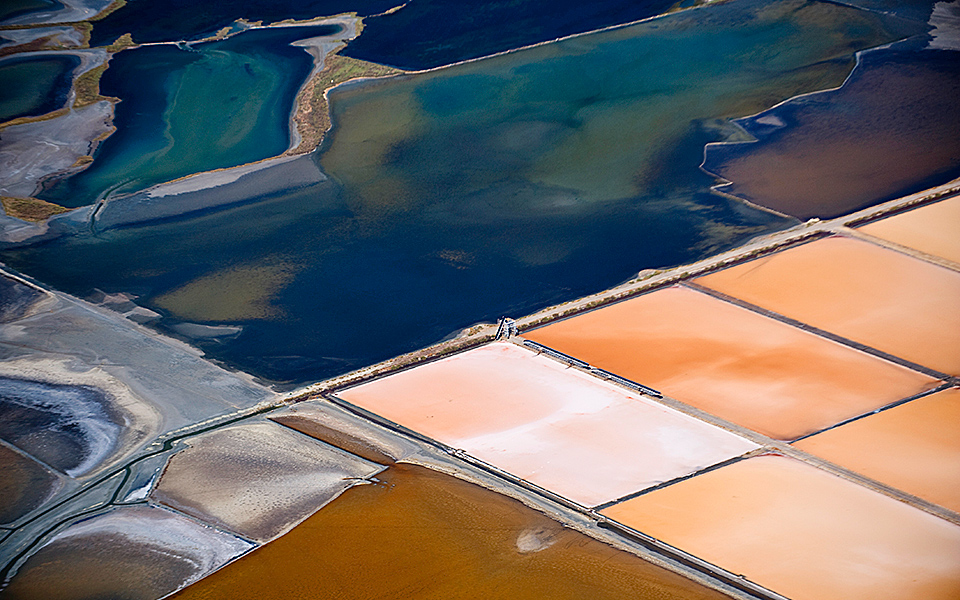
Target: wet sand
(258, 479)
(731, 362)
(421, 534)
(933, 229)
(24, 485)
(564, 430)
(134, 553)
(914, 447)
(887, 300)
(803, 532)
(332, 425)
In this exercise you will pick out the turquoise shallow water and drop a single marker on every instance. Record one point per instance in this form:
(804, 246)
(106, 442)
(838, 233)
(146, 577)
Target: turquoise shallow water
(186, 110)
(490, 188)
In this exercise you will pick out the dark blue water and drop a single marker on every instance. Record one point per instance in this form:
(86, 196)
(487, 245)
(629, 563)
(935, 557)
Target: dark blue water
(215, 105)
(423, 34)
(172, 20)
(908, 9)
(493, 188)
(14, 8)
(35, 85)
(430, 33)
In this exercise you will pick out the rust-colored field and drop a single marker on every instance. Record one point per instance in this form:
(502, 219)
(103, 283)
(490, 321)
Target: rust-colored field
(884, 299)
(914, 447)
(731, 362)
(803, 532)
(560, 428)
(420, 534)
(933, 229)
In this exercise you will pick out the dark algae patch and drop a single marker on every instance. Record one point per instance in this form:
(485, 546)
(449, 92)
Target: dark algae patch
(416, 533)
(495, 187)
(892, 130)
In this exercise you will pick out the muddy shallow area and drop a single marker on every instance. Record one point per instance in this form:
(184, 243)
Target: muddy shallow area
(417, 533)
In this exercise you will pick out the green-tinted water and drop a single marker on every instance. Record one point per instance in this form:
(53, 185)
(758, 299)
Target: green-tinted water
(567, 127)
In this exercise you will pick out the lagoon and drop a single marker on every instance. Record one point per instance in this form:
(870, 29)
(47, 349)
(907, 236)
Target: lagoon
(186, 109)
(34, 85)
(491, 188)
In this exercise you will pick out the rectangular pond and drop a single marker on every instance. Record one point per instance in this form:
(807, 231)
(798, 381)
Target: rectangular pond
(884, 299)
(741, 366)
(560, 428)
(803, 532)
(914, 447)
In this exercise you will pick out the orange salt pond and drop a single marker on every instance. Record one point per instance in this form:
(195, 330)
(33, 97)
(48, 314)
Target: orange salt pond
(732, 362)
(420, 534)
(933, 229)
(803, 532)
(557, 427)
(887, 300)
(914, 447)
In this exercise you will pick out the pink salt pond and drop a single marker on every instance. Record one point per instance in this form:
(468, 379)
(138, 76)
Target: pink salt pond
(552, 425)
(901, 305)
(734, 363)
(803, 532)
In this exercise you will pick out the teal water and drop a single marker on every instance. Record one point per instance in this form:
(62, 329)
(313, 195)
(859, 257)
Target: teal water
(489, 188)
(191, 109)
(35, 85)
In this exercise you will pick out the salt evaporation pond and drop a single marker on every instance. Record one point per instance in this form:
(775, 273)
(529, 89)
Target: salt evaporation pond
(494, 187)
(470, 543)
(747, 368)
(802, 532)
(197, 108)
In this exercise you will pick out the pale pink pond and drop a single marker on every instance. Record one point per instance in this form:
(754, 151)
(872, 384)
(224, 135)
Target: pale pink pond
(555, 426)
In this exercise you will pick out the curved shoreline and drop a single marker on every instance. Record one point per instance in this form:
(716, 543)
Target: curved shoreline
(770, 130)
(309, 118)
